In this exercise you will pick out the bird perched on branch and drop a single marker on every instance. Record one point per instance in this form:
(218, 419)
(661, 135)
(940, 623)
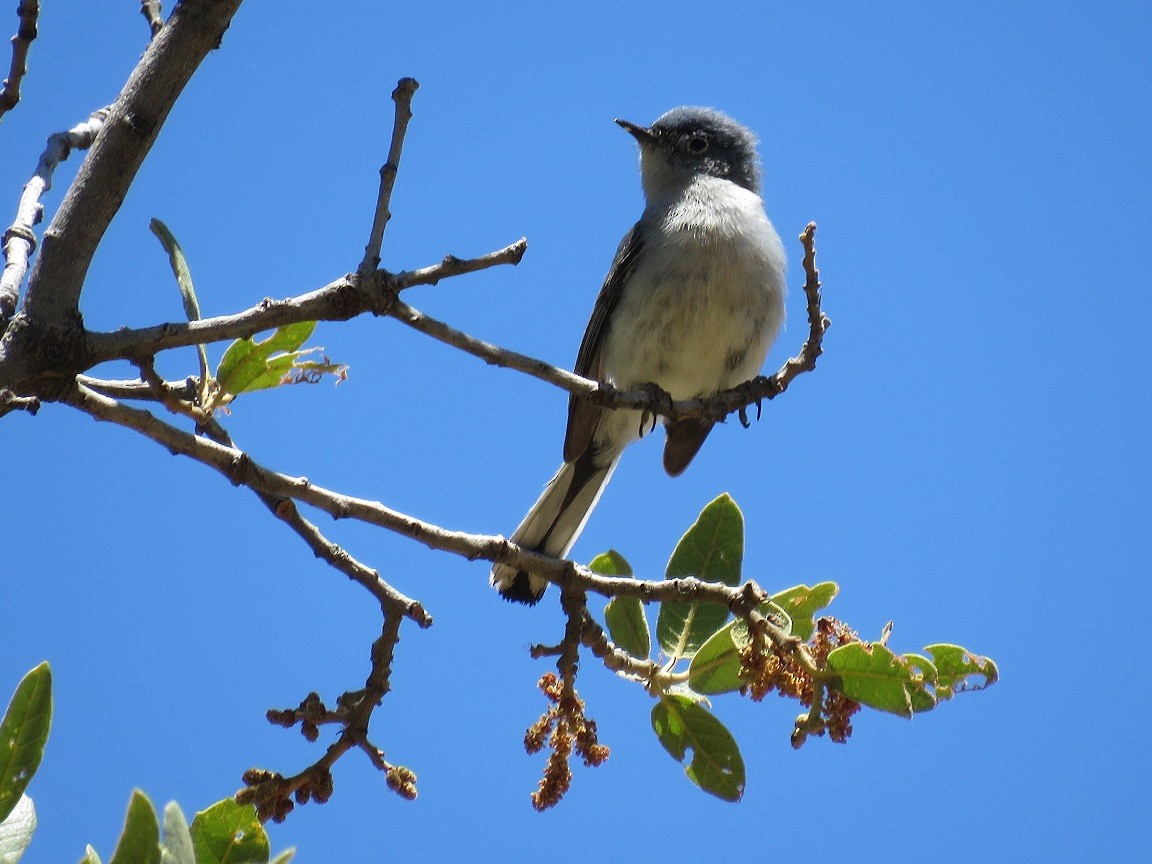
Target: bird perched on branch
(692, 303)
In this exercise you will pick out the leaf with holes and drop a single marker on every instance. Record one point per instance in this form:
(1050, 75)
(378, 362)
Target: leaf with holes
(802, 603)
(229, 833)
(872, 675)
(716, 765)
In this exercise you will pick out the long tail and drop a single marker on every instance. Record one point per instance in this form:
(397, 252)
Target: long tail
(555, 521)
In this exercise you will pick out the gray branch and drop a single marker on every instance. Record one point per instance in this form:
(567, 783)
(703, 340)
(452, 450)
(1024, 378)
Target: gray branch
(28, 11)
(133, 123)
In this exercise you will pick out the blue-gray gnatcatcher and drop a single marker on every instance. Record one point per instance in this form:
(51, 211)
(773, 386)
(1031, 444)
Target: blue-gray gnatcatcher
(692, 303)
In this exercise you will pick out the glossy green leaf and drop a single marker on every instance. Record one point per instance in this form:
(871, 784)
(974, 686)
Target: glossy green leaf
(23, 734)
(16, 831)
(803, 602)
(716, 765)
(183, 276)
(711, 550)
(139, 842)
(178, 847)
(229, 833)
(624, 616)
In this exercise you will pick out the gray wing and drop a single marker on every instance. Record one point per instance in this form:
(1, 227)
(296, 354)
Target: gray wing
(583, 415)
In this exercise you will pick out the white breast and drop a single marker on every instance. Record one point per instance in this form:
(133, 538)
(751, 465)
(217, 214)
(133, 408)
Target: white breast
(706, 300)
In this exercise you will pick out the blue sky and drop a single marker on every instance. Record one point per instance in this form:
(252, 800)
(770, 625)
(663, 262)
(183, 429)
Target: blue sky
(970, 460)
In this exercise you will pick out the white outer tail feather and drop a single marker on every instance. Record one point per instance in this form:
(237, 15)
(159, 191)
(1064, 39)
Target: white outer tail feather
(551, 530)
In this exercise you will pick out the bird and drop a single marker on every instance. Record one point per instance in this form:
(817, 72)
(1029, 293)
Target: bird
(692, 303)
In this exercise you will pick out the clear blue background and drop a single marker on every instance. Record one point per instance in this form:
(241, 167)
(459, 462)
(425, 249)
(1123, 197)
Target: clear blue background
(970, 460)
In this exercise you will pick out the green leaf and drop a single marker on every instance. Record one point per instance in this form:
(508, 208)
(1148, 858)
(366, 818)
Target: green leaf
(872, 675)
(922, 697)
(23, 734)
(627, 623)
(179, 265)
(682, 725)
(802, 603)
(139, 842)
(955, 666)
(229, 833)
(715, 668)
(16, 830)
(276, 371)
(285, 856)
(711, 550)
(90, 856)
(177, 848)
(610, 563)
(245, 361)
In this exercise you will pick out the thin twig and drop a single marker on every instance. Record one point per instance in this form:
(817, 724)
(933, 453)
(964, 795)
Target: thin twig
(10, 401)
(28, 12)
(151, 10)
(651, 400)
(19, 240)
(340, 300)
(272, 794)
(164, 394)
(241, 470)
(337, 301)
(185, 390)
(402, 96)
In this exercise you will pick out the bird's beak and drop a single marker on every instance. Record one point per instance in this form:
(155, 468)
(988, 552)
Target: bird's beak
(641, 133)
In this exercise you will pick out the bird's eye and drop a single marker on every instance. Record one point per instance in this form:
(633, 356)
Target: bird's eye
(697, 144)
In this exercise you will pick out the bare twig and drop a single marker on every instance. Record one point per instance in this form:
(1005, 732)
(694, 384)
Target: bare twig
(28, 12)
(19, 240)
(340, 300)
(240, 469)
(133, 123)
(450, 265)
(165, 395)
(336, 301)
(716, 407)
(185, 390)
(272, 794)
(9, 401)
(402, 96)
(151, 9)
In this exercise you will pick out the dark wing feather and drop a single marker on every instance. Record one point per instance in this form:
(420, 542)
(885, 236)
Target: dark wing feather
(583, 415)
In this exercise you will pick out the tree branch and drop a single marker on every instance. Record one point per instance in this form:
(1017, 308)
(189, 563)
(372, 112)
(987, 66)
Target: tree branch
(402, 96)
(651, 400)
(20, 240)
(151, 10)
(336, 301)
(133, 123)
(28, 12)
(242, 470)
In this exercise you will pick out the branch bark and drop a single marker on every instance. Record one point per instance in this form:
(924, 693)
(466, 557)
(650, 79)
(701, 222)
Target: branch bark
(133, 123)
(29, 12)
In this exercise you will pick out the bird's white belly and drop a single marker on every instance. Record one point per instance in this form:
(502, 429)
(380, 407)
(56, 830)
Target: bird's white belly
(708, 310)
